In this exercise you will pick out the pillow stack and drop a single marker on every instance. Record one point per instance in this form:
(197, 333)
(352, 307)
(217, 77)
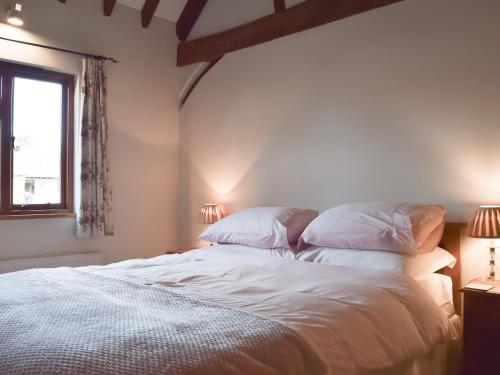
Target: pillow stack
(398, 227)
(400, 237)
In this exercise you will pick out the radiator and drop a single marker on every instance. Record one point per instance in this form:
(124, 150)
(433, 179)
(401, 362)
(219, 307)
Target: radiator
(69, 260)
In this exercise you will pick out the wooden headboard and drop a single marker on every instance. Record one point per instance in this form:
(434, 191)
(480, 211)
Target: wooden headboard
(451, 242)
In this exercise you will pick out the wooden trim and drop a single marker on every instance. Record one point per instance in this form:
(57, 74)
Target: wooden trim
(56, 215)
(108, 6)
(70, 153)
(303, 16)
(451, 241)
(148, 11)
(455, 226)
(7, 208)
(188, 18)
(6, 140)
(34, 211)
(209, 66)
(279, 6)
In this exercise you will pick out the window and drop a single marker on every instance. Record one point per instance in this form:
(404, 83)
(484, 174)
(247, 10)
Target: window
(36, 147)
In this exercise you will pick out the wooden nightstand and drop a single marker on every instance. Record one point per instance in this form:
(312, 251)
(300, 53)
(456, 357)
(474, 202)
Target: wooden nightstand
(481, 332)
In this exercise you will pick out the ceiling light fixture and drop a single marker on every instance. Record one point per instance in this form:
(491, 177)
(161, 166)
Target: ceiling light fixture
(15, 14)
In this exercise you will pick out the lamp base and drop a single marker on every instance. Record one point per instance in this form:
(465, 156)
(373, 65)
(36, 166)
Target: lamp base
(491, 277)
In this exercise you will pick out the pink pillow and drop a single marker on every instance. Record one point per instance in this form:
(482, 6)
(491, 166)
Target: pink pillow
(400, 227)
(264, 227)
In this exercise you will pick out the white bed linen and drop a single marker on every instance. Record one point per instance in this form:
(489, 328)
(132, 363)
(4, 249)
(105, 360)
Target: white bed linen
(443, 359)
(257, 251)
(412, 265)
(440, 287)
(357, 320)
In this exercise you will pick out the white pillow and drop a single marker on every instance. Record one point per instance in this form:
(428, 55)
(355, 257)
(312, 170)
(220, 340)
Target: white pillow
(400, 227)
(412, 265)
(263, 227)
(242, 249)
(428, 263)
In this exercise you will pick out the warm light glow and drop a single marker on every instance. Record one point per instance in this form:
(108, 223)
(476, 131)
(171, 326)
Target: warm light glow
(210, 213)
(16, 21)
(14, 15)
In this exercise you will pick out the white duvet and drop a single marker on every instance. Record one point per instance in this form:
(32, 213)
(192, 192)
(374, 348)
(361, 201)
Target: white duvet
(356, 320)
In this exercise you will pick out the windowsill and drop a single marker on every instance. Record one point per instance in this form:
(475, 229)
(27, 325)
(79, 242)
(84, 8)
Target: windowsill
(57, 215)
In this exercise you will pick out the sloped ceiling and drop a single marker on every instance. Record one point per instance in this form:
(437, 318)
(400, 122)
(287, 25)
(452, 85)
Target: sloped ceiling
(167, 9)
(218, 15)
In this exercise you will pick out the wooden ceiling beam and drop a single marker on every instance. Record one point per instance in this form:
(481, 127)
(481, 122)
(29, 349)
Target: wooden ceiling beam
(303, 16)
(279, 6)
(148, 11)
(108, 6)
(188, 18)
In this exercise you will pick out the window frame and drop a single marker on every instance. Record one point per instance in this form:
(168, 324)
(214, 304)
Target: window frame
(9, 71)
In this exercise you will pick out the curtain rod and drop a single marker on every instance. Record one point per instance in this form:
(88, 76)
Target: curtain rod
(97, 57)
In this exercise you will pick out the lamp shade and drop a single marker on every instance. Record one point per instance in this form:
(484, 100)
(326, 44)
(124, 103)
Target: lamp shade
(485, 223)
(210, 213)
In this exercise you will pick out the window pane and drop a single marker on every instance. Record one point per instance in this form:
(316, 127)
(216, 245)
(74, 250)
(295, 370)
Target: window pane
(37, 127)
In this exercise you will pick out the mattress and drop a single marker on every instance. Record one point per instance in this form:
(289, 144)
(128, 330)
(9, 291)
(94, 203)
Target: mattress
(443, 359)
(354, 321)
(331, 307)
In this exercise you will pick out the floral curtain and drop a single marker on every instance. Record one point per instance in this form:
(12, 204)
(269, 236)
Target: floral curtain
(94, 218)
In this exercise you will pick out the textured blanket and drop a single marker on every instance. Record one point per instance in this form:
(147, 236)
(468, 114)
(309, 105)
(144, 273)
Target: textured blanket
(66, 321)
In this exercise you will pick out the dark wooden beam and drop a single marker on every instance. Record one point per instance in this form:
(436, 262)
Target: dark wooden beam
(279, 5)
(62, 1)
(303, 16)
(148, 11)
(108, 6)
(188, 18)
(209, 66)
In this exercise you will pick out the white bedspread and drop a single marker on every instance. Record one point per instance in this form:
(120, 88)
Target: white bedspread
(356, 320)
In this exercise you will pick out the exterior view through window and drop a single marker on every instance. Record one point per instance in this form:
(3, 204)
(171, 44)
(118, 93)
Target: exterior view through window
(37, 142)
(37, 146)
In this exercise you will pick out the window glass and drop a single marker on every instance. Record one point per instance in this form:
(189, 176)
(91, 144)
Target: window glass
(37, 126)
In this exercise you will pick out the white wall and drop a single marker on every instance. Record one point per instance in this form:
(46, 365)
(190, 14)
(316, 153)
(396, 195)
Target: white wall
(143, 117)
(401, 103)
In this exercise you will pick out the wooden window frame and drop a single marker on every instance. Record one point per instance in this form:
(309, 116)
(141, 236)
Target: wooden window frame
(8, 71)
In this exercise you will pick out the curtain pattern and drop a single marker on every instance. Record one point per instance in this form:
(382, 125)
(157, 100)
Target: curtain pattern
(95, 195)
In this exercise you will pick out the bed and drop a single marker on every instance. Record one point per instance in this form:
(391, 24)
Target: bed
(217, 311)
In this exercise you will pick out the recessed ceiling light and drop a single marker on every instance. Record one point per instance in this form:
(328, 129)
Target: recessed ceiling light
(15, 15)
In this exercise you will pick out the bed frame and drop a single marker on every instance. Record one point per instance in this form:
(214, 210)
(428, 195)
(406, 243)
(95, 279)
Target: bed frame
(451, 242)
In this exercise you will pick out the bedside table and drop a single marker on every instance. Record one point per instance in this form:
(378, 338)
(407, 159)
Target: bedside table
(481, 331)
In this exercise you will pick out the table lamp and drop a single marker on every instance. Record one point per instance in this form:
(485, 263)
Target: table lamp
(486, 224)
(210, 213)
